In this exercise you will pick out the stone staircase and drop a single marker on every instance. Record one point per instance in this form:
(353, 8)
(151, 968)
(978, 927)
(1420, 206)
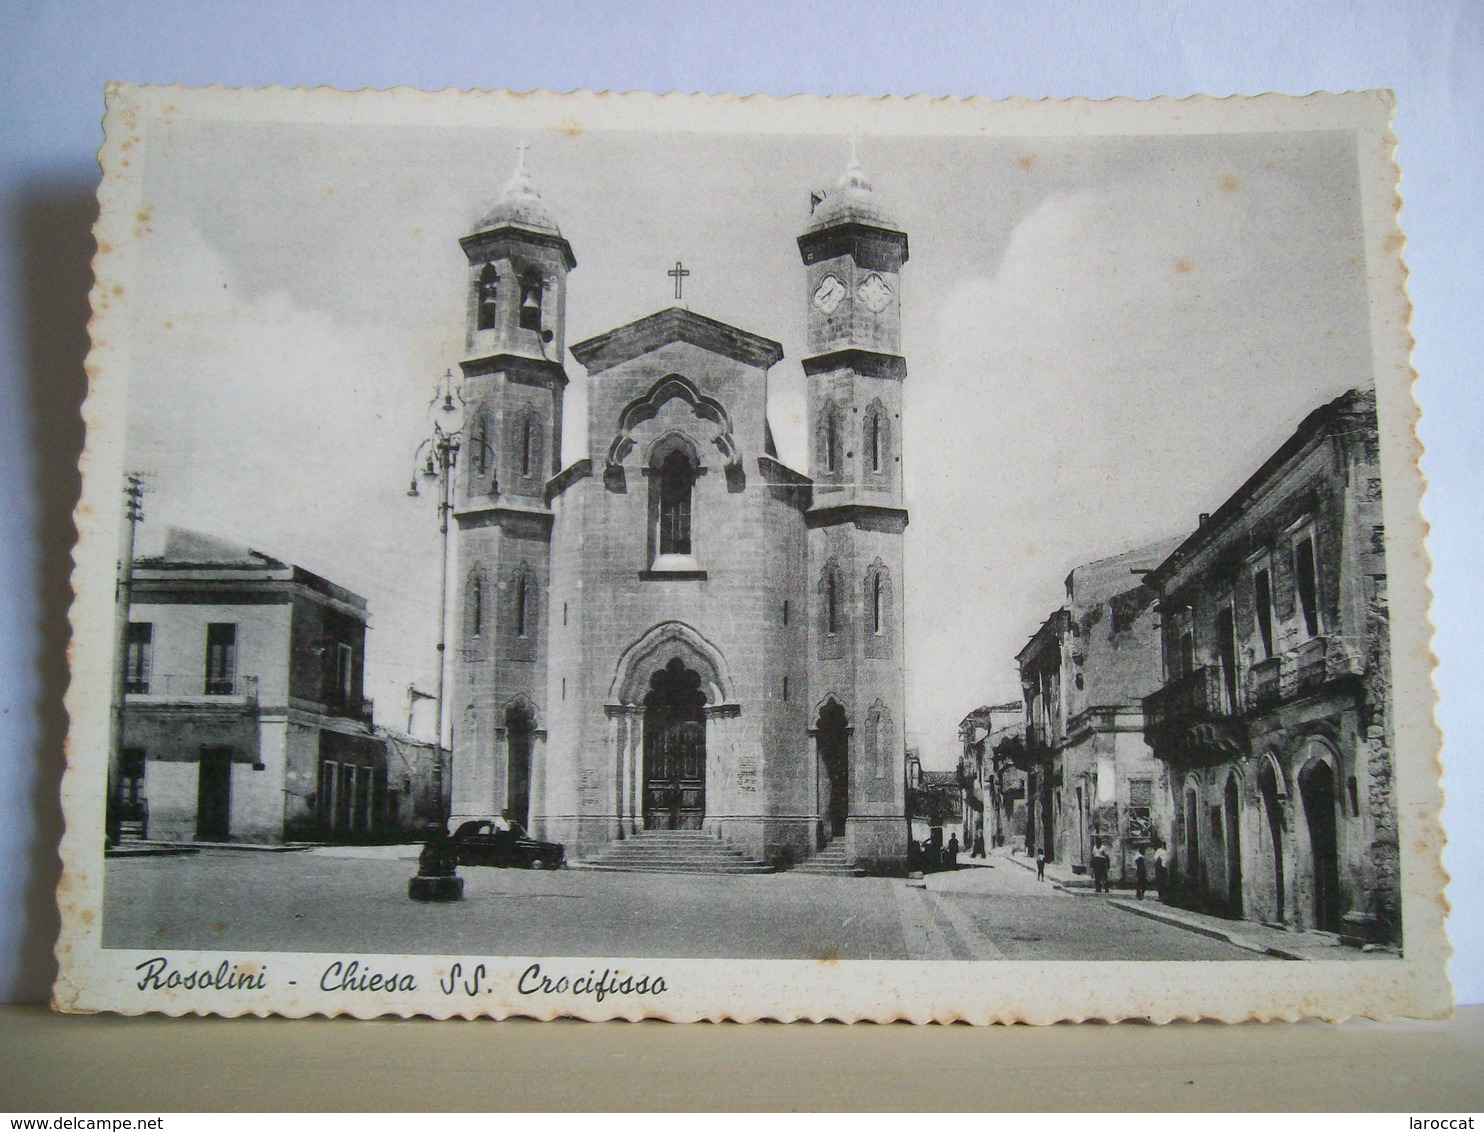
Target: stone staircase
(830, 861)
(675, 851)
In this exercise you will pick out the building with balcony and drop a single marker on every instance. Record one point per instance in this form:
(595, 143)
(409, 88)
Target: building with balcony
(243, 715)
(979, 777)
(1089, 775)
(1274, 718)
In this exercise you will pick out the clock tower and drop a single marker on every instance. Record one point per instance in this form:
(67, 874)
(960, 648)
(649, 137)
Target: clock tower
(853, 253)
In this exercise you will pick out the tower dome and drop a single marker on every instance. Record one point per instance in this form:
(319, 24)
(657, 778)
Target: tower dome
(520, 205)
(852, 200)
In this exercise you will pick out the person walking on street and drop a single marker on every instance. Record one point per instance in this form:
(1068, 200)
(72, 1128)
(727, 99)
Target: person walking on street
(1161, 872)
(978, 844)
(1141, 879)
(953, 851)
(1100, 868)
(1041, 865)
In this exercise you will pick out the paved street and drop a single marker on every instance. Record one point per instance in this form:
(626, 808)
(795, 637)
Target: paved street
(355, 900)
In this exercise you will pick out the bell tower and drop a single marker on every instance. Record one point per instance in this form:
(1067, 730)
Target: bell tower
(853, 253)
(513, 387)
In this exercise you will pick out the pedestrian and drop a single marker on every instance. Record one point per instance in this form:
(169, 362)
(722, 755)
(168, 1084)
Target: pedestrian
(953, 851)
(1041, 864)
(1100, 868)
(979, 844)
(1161, 871)
(1141, 879)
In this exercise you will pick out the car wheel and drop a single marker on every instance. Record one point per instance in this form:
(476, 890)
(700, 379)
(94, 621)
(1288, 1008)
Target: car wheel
(537, 864)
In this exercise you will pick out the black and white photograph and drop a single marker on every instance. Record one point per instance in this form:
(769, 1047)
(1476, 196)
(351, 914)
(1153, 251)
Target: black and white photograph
(687, 557)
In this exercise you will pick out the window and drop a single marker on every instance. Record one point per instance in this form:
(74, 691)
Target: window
(345, 672)
(876, 440)
(221, 659)
(479, 441)
(476, 606)
(832, 603)
(785, 687)
(1307, 582)
(1140, 810)
(676, 477)
(785, 611)
(828, 439)
(527, 437)
(520, 625)
(878, 620)
(486, 297)
(1185, 653)
(522, 606)
(137, 654)
(1262, 601)
(530, 301)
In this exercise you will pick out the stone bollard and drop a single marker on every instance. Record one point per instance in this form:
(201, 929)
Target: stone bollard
(437, 879)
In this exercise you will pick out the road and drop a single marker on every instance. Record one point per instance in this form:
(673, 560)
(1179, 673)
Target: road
(350, 900)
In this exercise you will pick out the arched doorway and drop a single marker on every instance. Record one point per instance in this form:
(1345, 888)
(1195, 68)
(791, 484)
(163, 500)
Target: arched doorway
(520, 722)
(1317, 788)
(674, 749)
(1233, 848)
(832, 745)
(1192, 841)
(1267, 786)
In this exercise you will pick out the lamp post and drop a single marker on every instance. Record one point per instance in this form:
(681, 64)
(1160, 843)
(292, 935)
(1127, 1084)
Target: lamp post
(439, 456)
(436, 461)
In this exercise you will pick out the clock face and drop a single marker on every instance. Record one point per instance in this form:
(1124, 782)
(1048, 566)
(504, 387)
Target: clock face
(875, 292)
(829, 294)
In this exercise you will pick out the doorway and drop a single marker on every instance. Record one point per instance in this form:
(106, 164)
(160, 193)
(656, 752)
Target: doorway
(1317, 787)
(214, 795)
(674, 749)
(519, 725)
(1267, 786)
(1233, 849)
(832, 742)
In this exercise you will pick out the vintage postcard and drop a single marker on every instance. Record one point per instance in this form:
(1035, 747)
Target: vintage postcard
(627, 556)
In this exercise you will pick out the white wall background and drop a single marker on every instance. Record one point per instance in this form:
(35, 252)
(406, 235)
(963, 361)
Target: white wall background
(54, 58)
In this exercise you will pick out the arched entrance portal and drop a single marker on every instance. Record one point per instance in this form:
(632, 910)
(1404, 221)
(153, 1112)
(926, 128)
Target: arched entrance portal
(674, 749)
(1233, 849)
(1267, 786)
(1317, 787)
(519, 724)
(832, 744)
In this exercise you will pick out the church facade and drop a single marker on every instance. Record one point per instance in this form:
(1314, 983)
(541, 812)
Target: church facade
(680, 632)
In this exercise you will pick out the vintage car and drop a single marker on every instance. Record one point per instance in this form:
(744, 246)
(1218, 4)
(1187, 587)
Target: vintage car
(495, 841)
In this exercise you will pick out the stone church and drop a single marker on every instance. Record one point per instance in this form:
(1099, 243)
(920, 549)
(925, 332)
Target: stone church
(680, 632)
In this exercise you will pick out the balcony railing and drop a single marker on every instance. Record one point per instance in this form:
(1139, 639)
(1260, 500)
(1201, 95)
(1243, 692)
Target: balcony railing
(1200, 696)
(1315, 663)
(194, 687)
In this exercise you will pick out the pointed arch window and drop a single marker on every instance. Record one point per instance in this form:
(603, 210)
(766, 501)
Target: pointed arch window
(876, 443)
(676, 481)
(833, 616)
(474, 602)
(487, 298)
(521, 624)
(479, 442)
(828, 440)
(527, 439)
(525, 448)
(530, 300)
(878, 600)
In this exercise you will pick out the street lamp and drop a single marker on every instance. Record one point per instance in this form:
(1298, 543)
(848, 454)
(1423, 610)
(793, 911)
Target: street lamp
(435, 461)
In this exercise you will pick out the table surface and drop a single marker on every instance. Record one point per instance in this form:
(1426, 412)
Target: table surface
(57, 1063)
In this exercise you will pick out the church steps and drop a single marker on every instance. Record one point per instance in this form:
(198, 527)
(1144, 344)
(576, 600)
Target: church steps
(675, 851)
(831, 861)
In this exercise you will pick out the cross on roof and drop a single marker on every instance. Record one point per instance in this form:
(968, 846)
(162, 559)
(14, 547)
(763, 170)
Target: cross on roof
(678, 273)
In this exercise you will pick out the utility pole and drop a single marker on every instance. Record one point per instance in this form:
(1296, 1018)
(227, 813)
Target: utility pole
(134, 512)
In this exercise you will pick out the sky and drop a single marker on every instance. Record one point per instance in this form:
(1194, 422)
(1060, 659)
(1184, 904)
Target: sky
(1104, 337)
